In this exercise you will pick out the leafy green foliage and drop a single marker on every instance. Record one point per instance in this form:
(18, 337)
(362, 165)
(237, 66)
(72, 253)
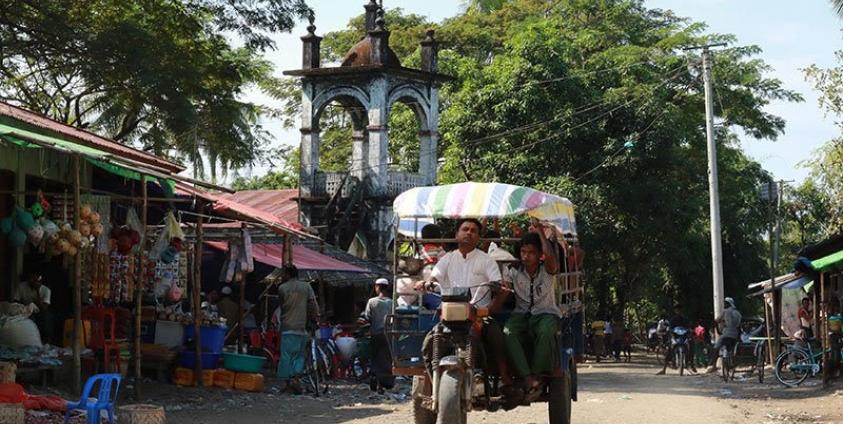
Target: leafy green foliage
(159, 74)
(549, 94)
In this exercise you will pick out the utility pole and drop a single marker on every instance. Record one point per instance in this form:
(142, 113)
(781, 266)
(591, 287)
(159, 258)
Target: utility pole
(714, 194)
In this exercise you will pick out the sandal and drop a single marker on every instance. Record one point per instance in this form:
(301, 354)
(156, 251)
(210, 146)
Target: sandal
(532, 389)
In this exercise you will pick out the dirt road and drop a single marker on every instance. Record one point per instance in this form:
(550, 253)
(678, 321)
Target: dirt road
(609, 393)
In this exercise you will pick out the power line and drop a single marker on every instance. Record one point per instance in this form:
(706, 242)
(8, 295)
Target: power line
(609, 112)
(541, 124)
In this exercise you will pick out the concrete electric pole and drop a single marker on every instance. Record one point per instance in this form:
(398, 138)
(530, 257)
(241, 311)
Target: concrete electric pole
(714, 195)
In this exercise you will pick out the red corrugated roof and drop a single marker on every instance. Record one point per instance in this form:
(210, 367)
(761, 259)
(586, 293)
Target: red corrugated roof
(303, 258)
(280, 203)
(87, 138)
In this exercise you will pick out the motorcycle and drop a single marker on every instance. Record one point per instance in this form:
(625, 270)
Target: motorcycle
(681, 347)
(459, 386)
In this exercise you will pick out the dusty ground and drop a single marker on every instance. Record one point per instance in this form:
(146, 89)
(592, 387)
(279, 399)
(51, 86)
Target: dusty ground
(609, 393)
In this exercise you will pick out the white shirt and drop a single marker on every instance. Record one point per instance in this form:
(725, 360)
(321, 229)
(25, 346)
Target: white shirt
(454, 270)
(27, 295)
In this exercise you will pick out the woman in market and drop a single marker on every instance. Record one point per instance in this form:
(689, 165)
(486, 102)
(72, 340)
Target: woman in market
(33, 291)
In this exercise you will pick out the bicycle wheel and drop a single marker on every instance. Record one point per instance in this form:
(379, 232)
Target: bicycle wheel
(761, 363)
(311, 370)
(792, 367)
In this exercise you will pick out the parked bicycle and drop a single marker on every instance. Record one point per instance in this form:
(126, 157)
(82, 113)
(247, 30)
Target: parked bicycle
(317, 367)
(798, 361)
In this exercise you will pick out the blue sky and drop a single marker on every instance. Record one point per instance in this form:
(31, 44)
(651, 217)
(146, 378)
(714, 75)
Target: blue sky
(792, 35)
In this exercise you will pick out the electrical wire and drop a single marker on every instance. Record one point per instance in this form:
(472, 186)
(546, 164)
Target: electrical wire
(676, 74)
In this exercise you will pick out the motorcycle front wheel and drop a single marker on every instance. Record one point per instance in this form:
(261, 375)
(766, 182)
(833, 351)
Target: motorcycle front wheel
(450, 405)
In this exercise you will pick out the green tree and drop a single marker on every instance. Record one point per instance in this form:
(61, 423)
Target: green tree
(549, 98)
(161, 75)
(594, 101)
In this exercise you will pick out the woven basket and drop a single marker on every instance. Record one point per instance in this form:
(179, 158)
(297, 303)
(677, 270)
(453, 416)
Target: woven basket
(8, 370)
(142, 414)
(11, 413)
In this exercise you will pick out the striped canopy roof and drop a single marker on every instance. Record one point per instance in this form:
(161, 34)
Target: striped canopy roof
(485, 200)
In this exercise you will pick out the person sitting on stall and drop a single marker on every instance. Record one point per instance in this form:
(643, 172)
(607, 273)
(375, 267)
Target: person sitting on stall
(375, 315)
(298, 311)
(227, 306)
(468, 266)
(530, 331)
(33, 291)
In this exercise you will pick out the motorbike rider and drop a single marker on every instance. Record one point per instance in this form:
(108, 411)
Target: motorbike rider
(532, 327)
(468, 266)
(679, 320)
(731, 319)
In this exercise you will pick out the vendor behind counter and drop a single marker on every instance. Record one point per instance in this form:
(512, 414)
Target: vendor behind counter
(33, 291)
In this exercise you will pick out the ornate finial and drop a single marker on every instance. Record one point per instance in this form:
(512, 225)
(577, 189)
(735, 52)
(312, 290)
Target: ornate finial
(380, 22)
(311, 17)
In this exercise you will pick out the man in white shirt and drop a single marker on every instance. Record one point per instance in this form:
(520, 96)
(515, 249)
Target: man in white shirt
(34, 291)
(468, 266)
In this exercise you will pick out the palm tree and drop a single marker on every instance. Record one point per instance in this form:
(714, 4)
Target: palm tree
(838, 7)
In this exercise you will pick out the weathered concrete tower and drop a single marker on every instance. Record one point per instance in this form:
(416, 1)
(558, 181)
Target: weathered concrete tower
(368, 81)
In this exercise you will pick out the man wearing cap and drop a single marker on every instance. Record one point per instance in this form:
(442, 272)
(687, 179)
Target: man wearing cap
(227, 307)
(731, 319)
(375, 314)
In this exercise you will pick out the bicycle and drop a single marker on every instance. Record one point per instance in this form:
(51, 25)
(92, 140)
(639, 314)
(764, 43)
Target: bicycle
(796, 363)
(727, 360)
(317, 368)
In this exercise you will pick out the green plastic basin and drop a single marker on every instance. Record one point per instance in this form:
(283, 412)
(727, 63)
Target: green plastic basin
(242, 363)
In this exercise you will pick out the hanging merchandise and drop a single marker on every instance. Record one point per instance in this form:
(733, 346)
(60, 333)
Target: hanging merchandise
(246, 257)
(120, 277)
(134, 222)
(125, 239)
(7, 224)
(17, 238)
(24, 219)
(36, 234)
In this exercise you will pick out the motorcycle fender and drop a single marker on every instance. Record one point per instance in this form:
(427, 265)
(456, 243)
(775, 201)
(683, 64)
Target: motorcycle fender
(448, 362)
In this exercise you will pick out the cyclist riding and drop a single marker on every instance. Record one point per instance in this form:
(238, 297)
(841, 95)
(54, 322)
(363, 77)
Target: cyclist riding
(731, 319)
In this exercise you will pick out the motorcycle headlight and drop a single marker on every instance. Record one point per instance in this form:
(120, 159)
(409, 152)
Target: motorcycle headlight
(455, 311)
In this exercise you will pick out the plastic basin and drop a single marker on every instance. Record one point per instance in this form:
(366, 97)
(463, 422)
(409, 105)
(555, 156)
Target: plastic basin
(242, 363)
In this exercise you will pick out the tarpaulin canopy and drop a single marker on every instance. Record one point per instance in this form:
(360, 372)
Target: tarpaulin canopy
(485, 200)
(304, 259)
(111, 162)
(827, 262)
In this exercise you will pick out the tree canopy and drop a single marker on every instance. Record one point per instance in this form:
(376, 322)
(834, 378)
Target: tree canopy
(598, 102)
(163, 75)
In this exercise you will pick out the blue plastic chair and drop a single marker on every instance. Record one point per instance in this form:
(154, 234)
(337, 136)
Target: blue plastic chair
(103, 401)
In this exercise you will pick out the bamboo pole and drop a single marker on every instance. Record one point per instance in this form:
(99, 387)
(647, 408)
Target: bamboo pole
(77, 285)
(823, 332)
(770, 356)
(139, 288)
(197, 301)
